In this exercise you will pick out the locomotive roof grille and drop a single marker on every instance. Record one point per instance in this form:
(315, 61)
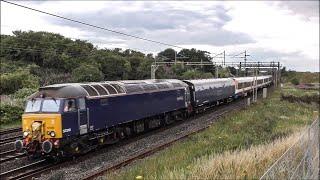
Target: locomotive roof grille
(107, 88)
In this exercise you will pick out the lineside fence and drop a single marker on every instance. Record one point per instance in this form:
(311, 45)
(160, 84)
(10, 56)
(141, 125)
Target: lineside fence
(301, 160)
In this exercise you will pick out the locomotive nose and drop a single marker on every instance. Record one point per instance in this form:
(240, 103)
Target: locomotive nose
(18, 145)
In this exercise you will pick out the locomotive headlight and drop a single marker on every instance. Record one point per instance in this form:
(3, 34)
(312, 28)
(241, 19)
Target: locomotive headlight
(52, 134)
(26, 133)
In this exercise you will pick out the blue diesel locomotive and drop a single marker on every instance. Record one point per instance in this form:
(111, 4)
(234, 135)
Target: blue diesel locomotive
(67, 119)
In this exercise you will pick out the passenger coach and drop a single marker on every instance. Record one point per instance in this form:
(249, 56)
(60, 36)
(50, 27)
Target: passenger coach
(244, 85)
(210, 91)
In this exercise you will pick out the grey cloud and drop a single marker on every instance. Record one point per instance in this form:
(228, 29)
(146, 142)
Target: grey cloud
(162, 24)
(306, 8)
(144, 19)
(209, 35)
(205, 36)
(222, 14)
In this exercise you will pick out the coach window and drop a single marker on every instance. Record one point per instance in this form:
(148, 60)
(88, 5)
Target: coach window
(69, 105)
(81, 103)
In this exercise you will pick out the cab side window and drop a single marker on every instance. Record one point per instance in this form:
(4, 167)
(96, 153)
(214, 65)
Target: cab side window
(69, 105)
(81, 103)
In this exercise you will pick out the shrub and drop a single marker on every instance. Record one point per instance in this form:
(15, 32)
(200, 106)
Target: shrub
(191, 74)
(295, 81)
(11, 82)
(10, 113)
(87, 73)
(23, 93)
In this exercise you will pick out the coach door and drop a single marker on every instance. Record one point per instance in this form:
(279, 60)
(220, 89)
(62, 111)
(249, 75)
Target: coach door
(83, 116)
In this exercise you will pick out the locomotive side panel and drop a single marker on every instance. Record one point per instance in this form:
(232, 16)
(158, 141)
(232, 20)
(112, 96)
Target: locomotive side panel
(122, 109)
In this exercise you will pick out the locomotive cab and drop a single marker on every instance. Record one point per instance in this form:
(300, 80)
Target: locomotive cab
(46, 121)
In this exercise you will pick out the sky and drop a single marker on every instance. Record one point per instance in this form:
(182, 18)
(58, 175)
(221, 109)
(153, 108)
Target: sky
(285, 31)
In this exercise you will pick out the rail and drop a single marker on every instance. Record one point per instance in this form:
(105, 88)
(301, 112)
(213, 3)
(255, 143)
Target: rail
(7, 131)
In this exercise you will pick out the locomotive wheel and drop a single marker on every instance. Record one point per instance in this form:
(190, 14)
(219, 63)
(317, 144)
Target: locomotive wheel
(168, 119)
(127, 131)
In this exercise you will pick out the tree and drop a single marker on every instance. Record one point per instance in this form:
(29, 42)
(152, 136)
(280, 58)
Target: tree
(178, 70)
(112, 66)
(167, 55)
(87, 73)
(135, 63)
(195, 55)
(11, 82)
(194, 74)
(144, 69)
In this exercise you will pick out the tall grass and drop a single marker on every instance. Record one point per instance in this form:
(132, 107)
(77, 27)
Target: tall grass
(290, 90)
(261, 123)
(239, 164)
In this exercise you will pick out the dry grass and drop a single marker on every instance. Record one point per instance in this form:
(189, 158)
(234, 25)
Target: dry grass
(241, 164)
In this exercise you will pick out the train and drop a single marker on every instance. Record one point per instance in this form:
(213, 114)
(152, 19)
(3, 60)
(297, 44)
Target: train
(63, 120)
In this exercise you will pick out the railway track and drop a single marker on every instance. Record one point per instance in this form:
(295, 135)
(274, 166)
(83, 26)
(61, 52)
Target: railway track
(12, 130)
(9, 139)
(10, 155)
(27, 171)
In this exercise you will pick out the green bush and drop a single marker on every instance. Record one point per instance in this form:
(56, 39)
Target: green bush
(9, 113)
(87, 73)
(11, 82)
(295, 81)
(191, 74)
(23, 93)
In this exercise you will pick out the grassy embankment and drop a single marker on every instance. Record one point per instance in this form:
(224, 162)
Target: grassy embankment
(237, 146)
(292, 94)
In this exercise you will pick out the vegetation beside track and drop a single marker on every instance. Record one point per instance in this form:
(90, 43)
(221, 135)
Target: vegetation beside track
(294, 94)
(262, 123)
(296, 78)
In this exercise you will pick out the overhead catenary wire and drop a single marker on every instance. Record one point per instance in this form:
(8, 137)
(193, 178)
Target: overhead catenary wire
(94, 26)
